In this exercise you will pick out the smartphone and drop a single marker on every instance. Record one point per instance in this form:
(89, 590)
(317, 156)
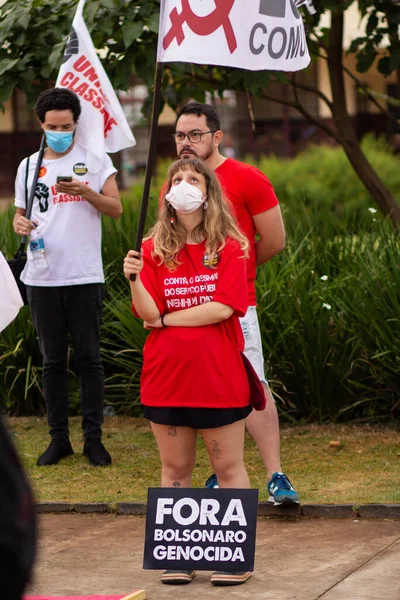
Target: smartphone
(64, 178)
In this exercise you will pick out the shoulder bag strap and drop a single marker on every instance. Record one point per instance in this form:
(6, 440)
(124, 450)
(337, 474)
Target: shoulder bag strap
(21, 249)
(31, 196)
(26, 180)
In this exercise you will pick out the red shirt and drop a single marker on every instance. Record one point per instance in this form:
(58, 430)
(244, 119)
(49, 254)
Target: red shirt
(195, 366)
(250, 193)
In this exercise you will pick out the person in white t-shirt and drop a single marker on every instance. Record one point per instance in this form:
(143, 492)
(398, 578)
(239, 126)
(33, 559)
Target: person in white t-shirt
(64, 272)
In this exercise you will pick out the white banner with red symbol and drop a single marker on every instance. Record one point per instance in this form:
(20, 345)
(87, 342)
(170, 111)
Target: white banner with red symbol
(102, 126)
(247, 34)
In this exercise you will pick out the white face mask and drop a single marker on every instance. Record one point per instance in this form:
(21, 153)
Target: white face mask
(185, 198)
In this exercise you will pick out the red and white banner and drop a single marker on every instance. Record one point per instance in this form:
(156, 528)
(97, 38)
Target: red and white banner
(102, 126)
(247, 34)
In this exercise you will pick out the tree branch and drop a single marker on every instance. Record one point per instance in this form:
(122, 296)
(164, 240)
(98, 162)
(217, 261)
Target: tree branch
(361, 86)
(328, 130)
(364, 87)
(251, 111)
(314, 90)
(371, 97)
(307, 115)
(296, 105)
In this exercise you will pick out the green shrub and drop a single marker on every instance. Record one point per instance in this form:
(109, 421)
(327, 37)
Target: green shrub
(20, 367)
(320, 191)
(330, 326)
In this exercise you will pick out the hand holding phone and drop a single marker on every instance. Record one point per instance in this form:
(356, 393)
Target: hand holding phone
(67, 185)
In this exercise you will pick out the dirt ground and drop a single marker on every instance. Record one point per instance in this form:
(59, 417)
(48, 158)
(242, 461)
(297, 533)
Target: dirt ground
(296, 559)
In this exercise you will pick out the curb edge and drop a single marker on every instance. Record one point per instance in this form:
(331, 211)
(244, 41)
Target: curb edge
(265, 509)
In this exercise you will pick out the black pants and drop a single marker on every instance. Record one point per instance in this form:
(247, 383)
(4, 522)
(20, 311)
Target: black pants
(57, 313)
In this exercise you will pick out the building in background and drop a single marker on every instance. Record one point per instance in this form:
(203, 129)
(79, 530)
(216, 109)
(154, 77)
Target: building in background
(19, 136)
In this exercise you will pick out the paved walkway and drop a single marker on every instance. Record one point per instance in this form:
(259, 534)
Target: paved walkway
(307, 559)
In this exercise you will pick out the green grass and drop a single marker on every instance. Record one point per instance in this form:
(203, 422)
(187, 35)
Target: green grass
(364, 469)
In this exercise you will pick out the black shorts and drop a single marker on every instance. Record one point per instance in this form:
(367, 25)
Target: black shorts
(196, 418)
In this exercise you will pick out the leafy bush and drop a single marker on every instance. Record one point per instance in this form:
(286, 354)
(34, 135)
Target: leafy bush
(320, 191)
(20, 367)
(330, 326)
(329, 304)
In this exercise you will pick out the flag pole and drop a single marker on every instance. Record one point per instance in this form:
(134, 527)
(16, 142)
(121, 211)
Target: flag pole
(150, 159)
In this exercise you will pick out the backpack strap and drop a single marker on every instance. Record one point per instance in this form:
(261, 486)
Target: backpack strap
(29, 197)
(30, 192)
(26, 180)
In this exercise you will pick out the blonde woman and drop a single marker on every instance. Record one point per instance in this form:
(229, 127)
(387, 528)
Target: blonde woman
(190, 290)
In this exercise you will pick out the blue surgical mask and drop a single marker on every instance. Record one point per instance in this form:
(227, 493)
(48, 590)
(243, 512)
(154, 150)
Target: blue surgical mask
(59, 141)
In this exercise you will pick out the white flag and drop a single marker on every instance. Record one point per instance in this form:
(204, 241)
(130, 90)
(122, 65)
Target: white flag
(102, 126)
(247, 34)
(10, 298)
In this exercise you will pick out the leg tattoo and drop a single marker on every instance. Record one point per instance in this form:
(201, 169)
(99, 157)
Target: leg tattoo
(216, 450)
(176, 484)
(172, 431)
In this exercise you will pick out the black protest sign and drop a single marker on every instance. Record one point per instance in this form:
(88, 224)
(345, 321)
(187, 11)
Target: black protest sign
(202, 529)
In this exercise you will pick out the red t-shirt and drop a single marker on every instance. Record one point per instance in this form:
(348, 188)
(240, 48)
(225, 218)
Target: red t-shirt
(250, 193)
(195, 366)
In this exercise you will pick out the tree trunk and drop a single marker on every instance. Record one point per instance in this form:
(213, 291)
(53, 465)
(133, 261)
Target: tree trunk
(351, 145)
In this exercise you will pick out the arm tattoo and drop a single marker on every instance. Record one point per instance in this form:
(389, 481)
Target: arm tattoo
(216, 450)
(176, 484)
(172, 431)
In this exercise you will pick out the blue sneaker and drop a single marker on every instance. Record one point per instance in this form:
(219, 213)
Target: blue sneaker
(281, 490)
(212, 482)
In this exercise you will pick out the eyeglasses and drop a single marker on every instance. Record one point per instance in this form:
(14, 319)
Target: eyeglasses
(192, 136)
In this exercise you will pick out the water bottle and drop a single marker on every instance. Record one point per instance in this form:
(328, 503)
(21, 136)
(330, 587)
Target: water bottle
(36, 244)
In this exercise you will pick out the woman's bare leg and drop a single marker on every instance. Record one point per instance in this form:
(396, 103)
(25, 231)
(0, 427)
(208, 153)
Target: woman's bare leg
(177, 446)
(225, 448)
